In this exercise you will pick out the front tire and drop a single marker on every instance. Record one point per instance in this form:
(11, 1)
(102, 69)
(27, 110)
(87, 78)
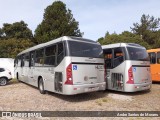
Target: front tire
(41, 86)
(3, 81)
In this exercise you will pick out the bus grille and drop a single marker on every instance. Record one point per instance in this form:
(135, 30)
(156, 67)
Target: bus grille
(117, 81)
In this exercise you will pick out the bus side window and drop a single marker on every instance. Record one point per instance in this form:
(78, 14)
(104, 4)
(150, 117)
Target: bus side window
(39, 59)
(158, 57)
(50, 53)
(118, 57)
(108, 58)
(152, 58)
(26, 60)
(60, 54)
(22, 60)
(32, 59)
(19, 61)
(16, 62)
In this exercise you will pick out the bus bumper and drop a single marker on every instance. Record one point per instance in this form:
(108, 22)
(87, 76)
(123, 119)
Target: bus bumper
(77, 89)
(137, 87)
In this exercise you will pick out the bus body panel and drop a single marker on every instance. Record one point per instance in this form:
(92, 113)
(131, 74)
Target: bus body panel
(85, 88)
(116, 77)
(87, 70)
(155, 64)
(141, 76)
(140, 69)
(130, 74)
(80, 70)
(55, 76)
(138, 87)
(155, 72)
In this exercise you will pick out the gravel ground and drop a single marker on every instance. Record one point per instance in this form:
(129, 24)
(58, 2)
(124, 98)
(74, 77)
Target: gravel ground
(22, 97)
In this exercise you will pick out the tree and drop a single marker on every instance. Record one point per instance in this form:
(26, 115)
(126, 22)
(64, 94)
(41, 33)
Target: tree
(57, 22)
(147, 29)
(11, 47)
(1, 33)
(147, 23)
(124, 37)
(100, 40)
(16, 30)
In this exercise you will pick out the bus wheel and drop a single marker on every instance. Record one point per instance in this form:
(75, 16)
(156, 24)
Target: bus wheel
(41, 86)
(3, 81)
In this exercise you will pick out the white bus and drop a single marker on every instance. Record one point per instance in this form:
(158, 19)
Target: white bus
(127, 67)
(67, 65)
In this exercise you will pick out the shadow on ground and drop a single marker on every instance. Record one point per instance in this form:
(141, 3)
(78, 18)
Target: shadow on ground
(13, 81)
(80, 97)
(129, 93)
(70, 98)
(87, 96)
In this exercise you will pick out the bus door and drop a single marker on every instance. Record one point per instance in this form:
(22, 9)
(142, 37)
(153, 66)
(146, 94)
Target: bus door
(115, 67)
(108, 66)
(31, 67)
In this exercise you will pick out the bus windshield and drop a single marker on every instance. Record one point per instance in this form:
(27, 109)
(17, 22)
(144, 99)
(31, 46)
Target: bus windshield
(138, 54)
(84, 49)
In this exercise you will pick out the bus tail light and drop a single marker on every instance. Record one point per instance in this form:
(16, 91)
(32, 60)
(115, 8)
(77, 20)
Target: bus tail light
(69, 80)
(130, 76)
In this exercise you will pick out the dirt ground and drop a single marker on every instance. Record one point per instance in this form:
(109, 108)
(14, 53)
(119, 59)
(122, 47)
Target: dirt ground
(22, 97)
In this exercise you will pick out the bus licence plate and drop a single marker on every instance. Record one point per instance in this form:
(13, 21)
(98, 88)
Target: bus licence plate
(91, 89)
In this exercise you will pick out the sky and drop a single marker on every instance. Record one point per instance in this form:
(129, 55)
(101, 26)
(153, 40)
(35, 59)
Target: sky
(95, 17)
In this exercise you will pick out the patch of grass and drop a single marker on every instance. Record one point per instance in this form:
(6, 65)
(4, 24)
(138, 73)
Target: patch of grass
(105, 100)
(14, 81)
(99, 102)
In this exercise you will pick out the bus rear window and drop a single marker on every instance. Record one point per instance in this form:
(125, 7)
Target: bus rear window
(138, 54)
(83, 49)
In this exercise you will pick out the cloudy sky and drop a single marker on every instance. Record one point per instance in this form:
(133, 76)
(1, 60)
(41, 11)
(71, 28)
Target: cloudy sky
(95, 17)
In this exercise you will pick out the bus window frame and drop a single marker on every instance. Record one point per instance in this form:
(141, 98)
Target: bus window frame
(30, 61)
(22, 60)
(113, 56)
(41, 65)
(45, 56)
(155, 57)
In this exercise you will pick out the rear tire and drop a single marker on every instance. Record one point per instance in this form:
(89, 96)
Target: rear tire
(41, 86)
(3, 81)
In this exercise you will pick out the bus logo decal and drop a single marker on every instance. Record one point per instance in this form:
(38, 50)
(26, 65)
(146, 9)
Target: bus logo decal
(134, 69)
(74, 67)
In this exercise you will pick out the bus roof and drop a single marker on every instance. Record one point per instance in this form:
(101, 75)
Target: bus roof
(64, 38)
(154, 50)
(121, 45)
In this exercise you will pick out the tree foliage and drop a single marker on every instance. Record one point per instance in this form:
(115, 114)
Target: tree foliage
(57, 22)
(148, 29)
(145, 33)
(14, 38)
(16, 30)
(11, 47)
(147, 24)
(125, 37)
